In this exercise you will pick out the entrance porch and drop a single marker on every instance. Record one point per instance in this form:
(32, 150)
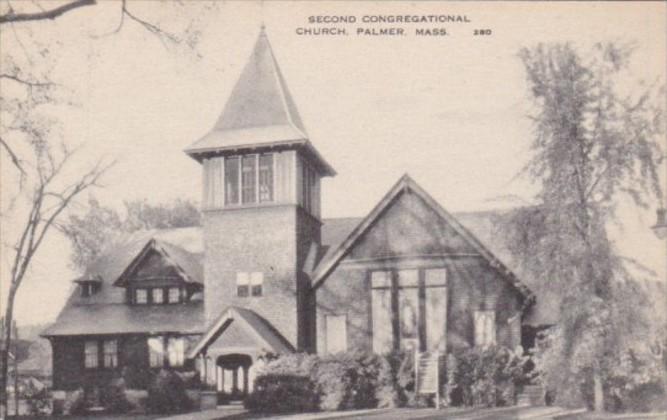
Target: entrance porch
(229, 353)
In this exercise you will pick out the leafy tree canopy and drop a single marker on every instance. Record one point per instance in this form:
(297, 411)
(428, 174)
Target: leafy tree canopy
(593, 146)
(100, 226)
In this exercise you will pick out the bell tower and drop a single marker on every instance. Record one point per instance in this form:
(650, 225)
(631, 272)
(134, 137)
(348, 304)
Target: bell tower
(261, 201)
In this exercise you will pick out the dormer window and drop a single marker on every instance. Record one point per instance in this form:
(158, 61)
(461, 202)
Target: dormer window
(158, 295)
(89, 286)
(141, 296)
(249, 179)
(174, 295)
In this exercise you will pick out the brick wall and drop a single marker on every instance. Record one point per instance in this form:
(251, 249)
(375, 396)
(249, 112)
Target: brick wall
(270, 239)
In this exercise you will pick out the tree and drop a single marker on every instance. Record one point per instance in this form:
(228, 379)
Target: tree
(49, 192)
(47, 184)
(90, 234)
(592, 147)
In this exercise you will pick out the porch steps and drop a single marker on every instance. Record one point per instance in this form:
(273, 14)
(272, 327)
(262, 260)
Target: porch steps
(532, 395)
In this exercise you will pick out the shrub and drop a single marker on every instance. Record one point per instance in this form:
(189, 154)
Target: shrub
(113, 397)
(38, 401)
(485, 376)
(282, 393)
(137, 399)
(75, 403)
(634, 383)
(342, 381)
(166, 394)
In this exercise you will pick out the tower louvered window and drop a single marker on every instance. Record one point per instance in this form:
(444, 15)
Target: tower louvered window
(248, 179)
(232, 180)
(266, 178)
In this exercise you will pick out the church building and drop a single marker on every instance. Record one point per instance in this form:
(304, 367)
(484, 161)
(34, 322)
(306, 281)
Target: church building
(266, 273)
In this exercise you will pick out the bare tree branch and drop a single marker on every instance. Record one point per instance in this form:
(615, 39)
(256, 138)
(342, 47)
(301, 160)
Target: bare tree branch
(11, 17)
(43, 215)
(154, 29)
(15, 159)
(26, 82)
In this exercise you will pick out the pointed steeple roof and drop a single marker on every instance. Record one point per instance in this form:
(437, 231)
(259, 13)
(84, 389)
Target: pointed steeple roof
(260, 97)
(259, 112)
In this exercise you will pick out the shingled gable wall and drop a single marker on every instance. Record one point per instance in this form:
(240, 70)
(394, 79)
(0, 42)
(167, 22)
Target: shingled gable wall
(410, 234)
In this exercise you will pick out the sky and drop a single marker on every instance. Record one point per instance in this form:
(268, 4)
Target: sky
(452, 111)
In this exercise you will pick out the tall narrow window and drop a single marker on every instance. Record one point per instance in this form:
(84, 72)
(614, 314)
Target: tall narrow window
(176, 351)
(256, 282)
(242, 284)
(91, 354)
(266, 178)
(305, 186)
(110, 353)
(156, 351)
(485, 328)
(336, 333)
(381, 311)
(436, 308)
(248, 168)
(232, 180)
(408, 307)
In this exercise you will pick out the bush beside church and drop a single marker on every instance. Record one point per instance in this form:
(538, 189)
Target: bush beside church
(356, 380)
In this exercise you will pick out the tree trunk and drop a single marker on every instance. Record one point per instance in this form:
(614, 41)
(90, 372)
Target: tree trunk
(16, 388)
(598, 395)
(4, 382)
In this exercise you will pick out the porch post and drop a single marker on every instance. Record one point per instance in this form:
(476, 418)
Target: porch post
(235, 379)
(204, 368)
(245, 380)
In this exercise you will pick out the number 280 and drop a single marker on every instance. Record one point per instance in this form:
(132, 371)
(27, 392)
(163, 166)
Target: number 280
(482, 32)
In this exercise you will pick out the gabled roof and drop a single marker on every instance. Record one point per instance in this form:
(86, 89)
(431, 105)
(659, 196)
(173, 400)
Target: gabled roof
(260, 112)
(262, 333)
(106, 311)
(187, 264)
(335, 254)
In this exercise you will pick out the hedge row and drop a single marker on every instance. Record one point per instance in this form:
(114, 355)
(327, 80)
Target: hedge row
(356, 380)
(166, 394)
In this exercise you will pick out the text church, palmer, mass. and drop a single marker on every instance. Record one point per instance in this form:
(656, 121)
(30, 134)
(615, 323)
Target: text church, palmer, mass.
(266, 273)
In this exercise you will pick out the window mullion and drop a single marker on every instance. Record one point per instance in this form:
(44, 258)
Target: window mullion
(274, 171)
(257, 178)
(239, 169)
(395, 309)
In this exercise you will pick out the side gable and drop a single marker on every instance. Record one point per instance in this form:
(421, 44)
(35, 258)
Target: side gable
(432, 230)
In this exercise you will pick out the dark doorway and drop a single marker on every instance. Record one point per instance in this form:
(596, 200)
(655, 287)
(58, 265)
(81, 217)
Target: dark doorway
(239, 365)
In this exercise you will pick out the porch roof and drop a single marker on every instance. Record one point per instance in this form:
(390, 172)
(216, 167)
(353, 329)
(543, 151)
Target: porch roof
(256, 328)
(187, 318)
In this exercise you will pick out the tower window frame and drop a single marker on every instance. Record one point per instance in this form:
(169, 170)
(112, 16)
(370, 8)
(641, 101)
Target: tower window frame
(256, 284)
(242, 284)
(250, 179)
